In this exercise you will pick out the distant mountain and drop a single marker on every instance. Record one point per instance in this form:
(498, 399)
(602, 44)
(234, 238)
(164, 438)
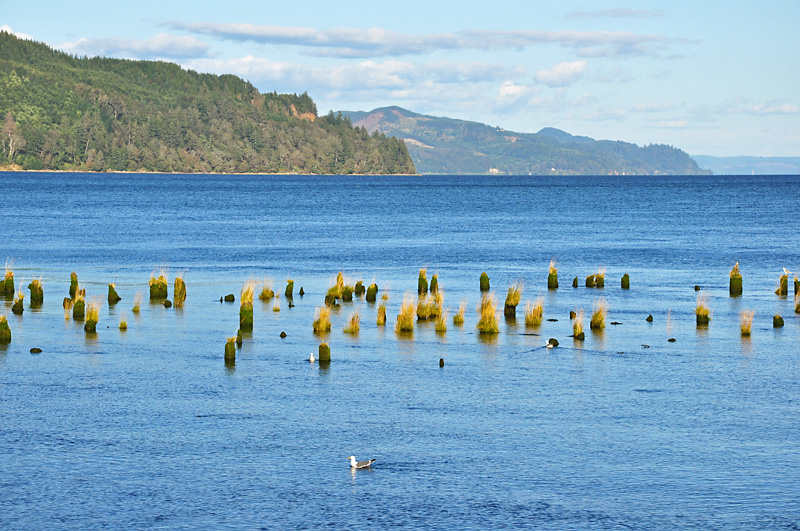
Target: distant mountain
(750, 165)
(446, 145)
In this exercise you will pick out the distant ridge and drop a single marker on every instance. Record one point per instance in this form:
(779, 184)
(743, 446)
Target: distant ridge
(446, 145)
(750, 165)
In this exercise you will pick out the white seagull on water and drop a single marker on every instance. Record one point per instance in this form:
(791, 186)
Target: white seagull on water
(360, 464)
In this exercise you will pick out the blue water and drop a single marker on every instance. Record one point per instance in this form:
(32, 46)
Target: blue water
(148, 429)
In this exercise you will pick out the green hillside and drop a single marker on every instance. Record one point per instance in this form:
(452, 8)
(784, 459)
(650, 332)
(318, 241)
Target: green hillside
(61, 112)
(445, 145)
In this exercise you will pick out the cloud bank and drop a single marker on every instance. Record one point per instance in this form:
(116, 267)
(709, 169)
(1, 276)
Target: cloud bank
(160, 46)
(377, 42)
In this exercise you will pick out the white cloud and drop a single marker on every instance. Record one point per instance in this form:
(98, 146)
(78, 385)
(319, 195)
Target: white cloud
(618, 13)
(160, 46)
(369, 74)
(6, 28)
(652, 107)
(561, 74)
(374, 42)
(775, 108)
(673, 124)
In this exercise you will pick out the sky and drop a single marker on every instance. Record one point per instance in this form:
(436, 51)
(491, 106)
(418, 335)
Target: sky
(709, 77)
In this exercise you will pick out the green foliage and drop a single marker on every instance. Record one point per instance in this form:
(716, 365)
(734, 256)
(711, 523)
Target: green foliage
(60, 112)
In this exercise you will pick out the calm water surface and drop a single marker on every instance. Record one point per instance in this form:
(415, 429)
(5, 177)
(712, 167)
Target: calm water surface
(147, 429)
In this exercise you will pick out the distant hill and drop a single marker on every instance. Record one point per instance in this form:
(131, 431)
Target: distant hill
(445, 145)
(60, 112)
(750, 165)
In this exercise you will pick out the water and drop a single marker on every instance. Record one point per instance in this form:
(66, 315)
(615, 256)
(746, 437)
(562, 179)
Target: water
(147, 429)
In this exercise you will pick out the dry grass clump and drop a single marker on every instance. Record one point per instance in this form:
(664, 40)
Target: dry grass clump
(93, 310)
(353, 324)
(405, 319)
(702, 310)
(322, 319)
(381, 320)
(123, 322)
(487, 323)
(267, 292)
(746, 321)
(137, 302)
(423, 308)
(514, 294)
(534, 312)
(430, 306)
(441, 322)
(337, 289)
(458, 318)
(577, 325)
(276, 305)
(599, 311)
(600, 278)
(246, 296)
(92, 315)
(735, 271)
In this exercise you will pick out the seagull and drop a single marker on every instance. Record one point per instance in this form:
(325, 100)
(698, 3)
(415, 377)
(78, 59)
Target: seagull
(786, 272)
(311, 358)
(360, 464)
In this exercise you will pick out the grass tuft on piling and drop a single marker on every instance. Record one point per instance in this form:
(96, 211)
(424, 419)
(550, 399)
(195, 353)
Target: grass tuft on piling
(353, 324)
(702, 311)
(158, 284)
(599, 312)
(735, 286)
(8, 280)
(577, 326)
(78, 306)
(534, 312)
(137, 302)
(552, 276)
(179, 291)
(123, 322)
(487, 322)
(783, 285)
(92, 316)
(230, 350)
(458, 317)
(405, 318)
(381, 319)
(37, 293)
(441, 322)
(113, 296)
(746, 321)
(322, 320)
(5, 331)
(267, 292)
(246, 306)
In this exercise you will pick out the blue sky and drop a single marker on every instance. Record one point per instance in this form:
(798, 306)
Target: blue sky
(711, 78)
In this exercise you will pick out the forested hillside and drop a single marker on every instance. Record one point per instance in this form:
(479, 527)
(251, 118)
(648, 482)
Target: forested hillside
(61, 112)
